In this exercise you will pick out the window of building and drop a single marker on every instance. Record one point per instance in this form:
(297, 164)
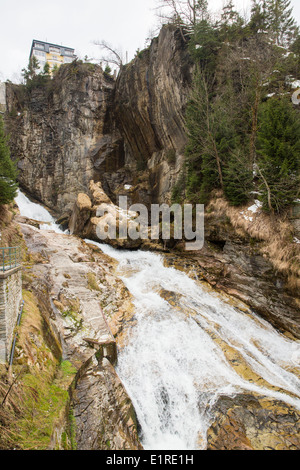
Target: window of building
(39, 46)
(68, 60)
(56, 50)
(68, 52)
(39, 53)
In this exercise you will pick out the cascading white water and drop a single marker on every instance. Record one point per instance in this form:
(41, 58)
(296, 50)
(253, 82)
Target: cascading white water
(173, 366)
(36, 212)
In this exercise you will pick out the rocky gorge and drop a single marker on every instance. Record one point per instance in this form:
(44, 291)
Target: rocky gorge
(87, 139)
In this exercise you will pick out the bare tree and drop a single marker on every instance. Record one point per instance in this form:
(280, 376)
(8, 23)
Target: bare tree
(183, 13)
(112, 56)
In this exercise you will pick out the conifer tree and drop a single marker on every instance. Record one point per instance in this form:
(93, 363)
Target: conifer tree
(280, 20)
(238, 177)
(258, 22)
(47, 69)
(278, 153)
(8, 185)
(231, 22)
(205, 45)
(31, 71)
(204, 166)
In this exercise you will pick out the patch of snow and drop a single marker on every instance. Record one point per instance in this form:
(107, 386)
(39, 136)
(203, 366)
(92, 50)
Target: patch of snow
(255, 206)
(295, 84)
(296, 240)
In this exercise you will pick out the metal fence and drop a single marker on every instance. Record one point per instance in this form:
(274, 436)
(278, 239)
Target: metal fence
(10, 257)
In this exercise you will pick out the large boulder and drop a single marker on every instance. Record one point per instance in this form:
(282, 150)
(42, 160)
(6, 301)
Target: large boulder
(81, 214)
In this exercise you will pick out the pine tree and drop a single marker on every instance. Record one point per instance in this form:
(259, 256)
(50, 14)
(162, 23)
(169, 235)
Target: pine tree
(47, 69)
(278, 153)
(238, 177)
(231, 23)
(8, 185)
(204, 166)
(30, 73)
(281, 23)
(205, 45)
(258, 22)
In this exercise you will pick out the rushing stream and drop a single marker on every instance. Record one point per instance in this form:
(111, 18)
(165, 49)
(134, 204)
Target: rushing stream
(37, 212)
(174, 366)
(175, 362)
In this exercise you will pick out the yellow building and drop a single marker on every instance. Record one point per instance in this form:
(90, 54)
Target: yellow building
(52, 53)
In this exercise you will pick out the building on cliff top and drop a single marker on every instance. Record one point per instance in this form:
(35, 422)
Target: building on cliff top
(52, 53)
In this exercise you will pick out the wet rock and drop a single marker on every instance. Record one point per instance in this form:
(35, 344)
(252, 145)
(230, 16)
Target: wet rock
(105, 417)
(253, 422)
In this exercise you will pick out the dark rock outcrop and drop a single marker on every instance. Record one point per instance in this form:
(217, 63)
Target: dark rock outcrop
(57, 133)
(151, 95)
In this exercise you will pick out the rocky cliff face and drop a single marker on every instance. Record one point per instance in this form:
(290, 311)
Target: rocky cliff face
(151, 94)
(58, 132)
(85, 126)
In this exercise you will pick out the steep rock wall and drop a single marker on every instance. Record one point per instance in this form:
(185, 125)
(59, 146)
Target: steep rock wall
(84, 126)
(56, 131)
(150, 100)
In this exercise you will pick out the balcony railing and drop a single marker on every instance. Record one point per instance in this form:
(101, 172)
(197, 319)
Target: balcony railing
(10, 257)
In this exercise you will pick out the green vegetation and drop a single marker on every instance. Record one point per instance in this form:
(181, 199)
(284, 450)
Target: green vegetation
(279, 153)
(171, 156)
(38, 402)
(32, 78)
(92, 282)
(8, 172)
(243, 131)
(107, 70)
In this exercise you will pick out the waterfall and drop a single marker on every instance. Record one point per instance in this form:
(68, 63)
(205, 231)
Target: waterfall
(36, 212)
(173, 365)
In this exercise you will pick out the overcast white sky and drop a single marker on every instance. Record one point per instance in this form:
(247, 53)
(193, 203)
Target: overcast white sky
(77, 23)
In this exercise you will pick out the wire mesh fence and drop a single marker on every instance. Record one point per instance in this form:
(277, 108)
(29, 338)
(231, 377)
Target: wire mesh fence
(10, 257)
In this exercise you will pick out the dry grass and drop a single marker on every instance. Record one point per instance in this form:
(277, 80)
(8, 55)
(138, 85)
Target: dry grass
(10, 231)
(275, 233)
